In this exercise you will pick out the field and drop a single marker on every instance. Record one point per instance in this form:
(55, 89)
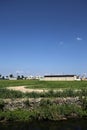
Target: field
(44, 84)
(39, 89)
(58, 101)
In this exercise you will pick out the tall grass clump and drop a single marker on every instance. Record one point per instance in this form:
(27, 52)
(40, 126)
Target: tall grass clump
(5, 93)
(2, 104)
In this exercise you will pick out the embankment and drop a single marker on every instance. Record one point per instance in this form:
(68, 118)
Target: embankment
(42, 108)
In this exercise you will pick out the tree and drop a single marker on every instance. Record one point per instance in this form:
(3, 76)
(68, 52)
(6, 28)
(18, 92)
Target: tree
(0, 75)
(18, 77)
(11, 76)
(3, 77)
(22, 76)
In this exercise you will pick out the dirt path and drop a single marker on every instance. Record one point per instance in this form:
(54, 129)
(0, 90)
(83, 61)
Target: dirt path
(24, 89)
(29, 90)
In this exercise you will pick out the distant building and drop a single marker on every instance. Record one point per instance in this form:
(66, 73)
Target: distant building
(33, 77)
(30, 77)
(13, 78)
(60, 78)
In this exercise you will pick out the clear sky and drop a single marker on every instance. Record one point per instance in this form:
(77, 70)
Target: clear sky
(40, 37)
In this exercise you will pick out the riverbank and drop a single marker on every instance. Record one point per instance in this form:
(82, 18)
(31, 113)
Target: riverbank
(71, 124)
(43, 109)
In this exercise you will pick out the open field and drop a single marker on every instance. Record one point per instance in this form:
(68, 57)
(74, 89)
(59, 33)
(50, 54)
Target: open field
(34, 84)
(39, 89)
(40, 100)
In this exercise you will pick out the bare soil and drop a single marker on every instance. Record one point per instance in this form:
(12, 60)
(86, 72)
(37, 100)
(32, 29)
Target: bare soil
(24, 89)
(29, 90)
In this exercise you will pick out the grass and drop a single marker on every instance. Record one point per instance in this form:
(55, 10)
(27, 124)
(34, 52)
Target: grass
(58, 84)
(8, 83)
(44, 84)
(68, 87)
(5, 93)
(47, 110)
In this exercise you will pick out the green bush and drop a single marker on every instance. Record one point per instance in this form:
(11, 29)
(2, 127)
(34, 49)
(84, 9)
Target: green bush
(84, 103)
(2, 104)
(27, 103)
(45, 102)
(5, 93)
(48, 112)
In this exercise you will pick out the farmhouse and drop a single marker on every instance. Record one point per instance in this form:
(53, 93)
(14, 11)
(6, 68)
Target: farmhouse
(60, 77)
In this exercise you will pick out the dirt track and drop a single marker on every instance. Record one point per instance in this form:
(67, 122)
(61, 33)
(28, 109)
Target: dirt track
(24, 89)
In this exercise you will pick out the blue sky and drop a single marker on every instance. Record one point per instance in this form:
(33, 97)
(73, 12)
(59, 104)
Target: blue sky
(40, 37)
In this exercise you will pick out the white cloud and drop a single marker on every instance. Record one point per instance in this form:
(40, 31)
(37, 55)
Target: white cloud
(78, 38)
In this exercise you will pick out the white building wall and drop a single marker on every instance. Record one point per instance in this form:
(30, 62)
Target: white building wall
(59, 78)
(12, 78)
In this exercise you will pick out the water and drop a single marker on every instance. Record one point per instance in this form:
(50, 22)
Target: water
(46, 125)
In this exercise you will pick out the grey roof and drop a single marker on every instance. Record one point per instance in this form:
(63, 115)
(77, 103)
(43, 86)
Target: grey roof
(59, 75)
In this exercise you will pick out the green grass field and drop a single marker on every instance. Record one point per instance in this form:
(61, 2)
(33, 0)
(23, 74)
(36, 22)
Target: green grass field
(45, 84)
(46, 109)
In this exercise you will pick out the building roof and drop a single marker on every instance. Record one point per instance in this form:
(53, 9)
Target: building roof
(59, 75)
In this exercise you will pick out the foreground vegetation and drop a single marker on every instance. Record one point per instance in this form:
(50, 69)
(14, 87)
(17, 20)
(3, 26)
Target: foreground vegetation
(5, 93)
(46, 110)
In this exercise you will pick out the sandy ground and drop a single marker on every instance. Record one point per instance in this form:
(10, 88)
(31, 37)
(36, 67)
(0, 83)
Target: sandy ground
(24, 89)
(29, 90)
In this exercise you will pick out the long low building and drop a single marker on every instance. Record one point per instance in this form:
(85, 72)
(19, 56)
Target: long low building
(60, 77)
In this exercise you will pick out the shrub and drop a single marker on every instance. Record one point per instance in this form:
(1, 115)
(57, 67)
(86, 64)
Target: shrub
(84, 103)
(2, 104)
(27, 103)
(45, 102)
(5, 93)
